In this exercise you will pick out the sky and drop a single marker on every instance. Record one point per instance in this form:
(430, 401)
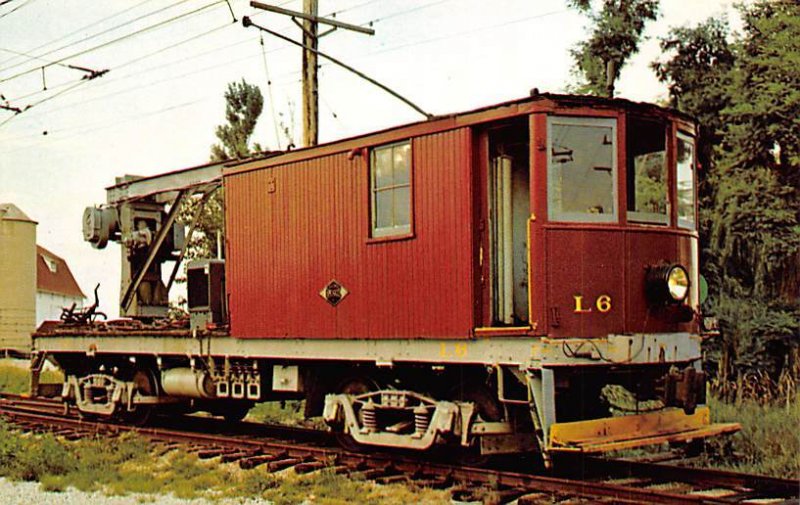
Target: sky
(168, 64)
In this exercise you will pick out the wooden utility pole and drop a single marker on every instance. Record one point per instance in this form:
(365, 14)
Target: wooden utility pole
(310, 91)
(311, 38)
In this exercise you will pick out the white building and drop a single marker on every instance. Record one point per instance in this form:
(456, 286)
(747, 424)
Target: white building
(55, 286)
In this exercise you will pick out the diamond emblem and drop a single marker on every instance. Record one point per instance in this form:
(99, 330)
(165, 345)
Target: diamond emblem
(333, 293)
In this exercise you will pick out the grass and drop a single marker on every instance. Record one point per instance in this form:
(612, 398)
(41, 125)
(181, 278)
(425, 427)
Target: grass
(288, 413)
(133, 465)
(15, 376)
(328, 488)
(768, 444)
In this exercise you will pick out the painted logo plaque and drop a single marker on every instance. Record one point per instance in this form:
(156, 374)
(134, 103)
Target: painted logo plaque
(333, 292)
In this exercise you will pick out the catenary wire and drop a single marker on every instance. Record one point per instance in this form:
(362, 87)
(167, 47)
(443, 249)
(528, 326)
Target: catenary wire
(143, 57)
(79, 30)
(184, 59)
(93, 36)
(15, 9)
(362, 56)
(124, 37)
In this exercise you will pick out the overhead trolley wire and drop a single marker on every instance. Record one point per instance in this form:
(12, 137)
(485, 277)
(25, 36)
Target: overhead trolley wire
(93, 75)
(77, 84)
(15, 9)
(90, 37)
(138, 87)
(140, 58)
(79, 30)
(85, 129)
(124, 37)
(277, 49)
(164, 49)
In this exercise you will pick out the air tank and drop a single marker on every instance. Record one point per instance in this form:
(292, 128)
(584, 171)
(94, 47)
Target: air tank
(17, 279)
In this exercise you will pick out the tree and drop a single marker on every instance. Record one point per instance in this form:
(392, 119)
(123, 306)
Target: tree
(618, 28)
(244, 104)
(747, 95)
(698, 75)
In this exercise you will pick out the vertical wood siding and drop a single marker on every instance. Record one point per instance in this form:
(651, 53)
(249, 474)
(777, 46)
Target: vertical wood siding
(293, 228)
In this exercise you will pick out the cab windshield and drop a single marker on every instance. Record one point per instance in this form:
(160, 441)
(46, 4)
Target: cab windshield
(582, 169)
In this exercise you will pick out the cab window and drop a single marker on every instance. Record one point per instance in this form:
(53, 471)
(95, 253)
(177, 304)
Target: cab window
(647, 171)
(582, 169)
(685, 181)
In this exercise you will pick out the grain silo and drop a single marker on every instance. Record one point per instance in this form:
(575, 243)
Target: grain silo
(17, 279)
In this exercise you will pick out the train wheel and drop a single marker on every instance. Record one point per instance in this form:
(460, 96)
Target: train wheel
(145, 383)
(353, 386)
(236, 412)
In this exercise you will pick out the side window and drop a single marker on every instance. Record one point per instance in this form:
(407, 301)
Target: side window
(647, 171)
(582, 169)
(685, 177)
(390, 187)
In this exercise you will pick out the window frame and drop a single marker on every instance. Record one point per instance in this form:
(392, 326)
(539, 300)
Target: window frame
(648, 218)
(575, 217)
(379, 234)
(679, 221)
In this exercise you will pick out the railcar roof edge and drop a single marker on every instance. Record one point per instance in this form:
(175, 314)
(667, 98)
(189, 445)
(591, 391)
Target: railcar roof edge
(231, 167)
(344, 144)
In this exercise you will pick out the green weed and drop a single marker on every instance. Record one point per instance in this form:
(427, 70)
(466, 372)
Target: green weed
(327, 488)
(288, 413)
(768, 444)
(16, 378)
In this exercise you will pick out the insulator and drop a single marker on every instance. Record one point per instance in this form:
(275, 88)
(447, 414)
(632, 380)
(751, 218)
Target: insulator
(421, 420)
(369, 416)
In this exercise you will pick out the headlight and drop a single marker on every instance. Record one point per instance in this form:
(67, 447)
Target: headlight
(667, 284)
(678, 283)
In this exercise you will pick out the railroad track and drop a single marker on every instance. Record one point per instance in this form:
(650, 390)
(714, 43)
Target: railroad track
(587, 480)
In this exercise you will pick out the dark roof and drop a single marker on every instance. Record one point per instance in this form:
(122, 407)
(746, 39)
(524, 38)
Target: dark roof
(54, 276)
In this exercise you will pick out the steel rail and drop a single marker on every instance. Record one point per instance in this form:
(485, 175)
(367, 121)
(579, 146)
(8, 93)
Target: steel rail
(649, 485)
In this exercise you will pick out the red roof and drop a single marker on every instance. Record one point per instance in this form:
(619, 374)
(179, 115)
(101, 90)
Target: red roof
(54, 276)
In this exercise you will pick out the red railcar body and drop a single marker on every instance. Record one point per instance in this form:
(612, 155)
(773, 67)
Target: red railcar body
(294, 227)
(498, 281)
(300, 220)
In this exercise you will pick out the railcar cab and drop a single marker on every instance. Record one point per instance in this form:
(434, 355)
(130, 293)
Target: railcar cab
(588, 221)
(599, 197)
(620, 207)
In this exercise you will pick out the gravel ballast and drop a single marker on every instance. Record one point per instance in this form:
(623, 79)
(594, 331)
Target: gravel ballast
(31, 493)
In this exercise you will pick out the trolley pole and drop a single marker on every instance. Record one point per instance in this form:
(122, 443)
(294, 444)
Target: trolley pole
(310, 91)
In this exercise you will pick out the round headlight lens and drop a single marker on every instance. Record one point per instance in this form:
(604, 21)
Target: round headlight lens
(678, 283)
